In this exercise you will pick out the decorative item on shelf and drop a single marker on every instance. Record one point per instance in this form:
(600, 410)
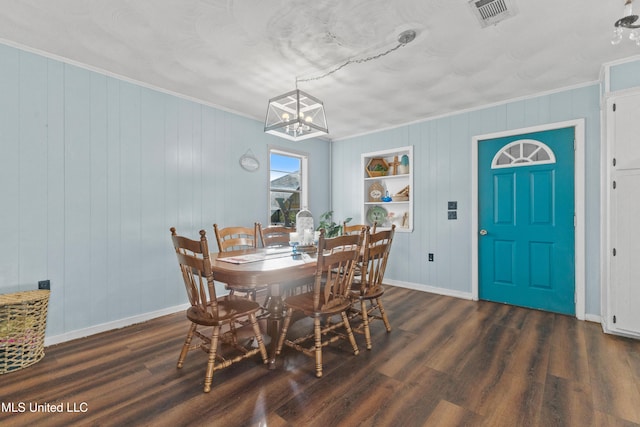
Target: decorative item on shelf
(386, 197)
(402, 195)
(403, 169)
(376, 214)
(394, 165)
(405, 220)
(377, 167)
(391, 216)
(376, 190)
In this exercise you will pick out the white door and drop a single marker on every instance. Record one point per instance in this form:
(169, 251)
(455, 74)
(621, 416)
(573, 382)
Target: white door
(624, 222)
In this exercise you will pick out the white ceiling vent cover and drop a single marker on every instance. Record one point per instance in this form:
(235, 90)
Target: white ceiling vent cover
(490, 12)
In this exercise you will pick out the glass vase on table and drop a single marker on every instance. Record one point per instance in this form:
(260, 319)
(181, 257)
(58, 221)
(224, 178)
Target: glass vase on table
(294, 241)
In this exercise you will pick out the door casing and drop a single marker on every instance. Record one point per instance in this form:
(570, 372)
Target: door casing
(579, 202)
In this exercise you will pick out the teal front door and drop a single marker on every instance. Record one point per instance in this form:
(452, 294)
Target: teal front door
(526, 250)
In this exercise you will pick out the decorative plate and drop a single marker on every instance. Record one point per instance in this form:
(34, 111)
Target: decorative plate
(376, 214)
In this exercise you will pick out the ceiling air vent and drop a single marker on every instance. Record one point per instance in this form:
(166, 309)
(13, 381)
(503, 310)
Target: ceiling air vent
(490, 12)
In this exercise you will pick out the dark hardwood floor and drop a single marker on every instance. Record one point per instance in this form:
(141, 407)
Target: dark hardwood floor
(447, 362)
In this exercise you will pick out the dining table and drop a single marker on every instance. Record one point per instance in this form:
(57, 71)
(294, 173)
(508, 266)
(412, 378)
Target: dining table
(278, 268)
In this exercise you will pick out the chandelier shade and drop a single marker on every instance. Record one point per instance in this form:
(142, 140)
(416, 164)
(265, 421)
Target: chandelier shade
(296, 116)
(627, 22)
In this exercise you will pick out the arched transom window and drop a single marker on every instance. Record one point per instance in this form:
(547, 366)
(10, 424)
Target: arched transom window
(524, 152)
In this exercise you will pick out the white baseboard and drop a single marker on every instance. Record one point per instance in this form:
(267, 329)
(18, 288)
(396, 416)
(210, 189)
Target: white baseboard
(430, 289)
(593, 318)
(116, 324)
(458, 294)
(128, 321)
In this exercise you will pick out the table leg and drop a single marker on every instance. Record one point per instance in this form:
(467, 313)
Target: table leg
(274, 323)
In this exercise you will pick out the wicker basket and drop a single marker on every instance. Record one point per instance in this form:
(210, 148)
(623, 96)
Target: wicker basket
(23, 320)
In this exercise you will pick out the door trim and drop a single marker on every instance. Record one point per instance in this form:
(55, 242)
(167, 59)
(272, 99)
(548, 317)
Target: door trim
(579, 200)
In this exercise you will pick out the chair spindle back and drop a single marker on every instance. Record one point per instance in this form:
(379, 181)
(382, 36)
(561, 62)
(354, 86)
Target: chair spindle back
(376, 254)
(195, 266)
(337, 259)
(233, 238)
(274, 235)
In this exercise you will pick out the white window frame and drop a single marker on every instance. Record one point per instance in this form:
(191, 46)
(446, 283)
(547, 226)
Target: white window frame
(523, 160)
(304, 175)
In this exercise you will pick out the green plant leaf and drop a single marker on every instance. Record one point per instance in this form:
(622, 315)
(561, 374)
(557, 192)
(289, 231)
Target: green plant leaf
(331, 228)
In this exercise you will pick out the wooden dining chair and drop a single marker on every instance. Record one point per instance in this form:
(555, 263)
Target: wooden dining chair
(208, 311)
(367, 289)
(356, 228)
(237, 238)
(274, 235)
(336, 260)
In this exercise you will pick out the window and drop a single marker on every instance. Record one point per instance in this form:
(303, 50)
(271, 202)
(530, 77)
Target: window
(287, 186)
(524, 152)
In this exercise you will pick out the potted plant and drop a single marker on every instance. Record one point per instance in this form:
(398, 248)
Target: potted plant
(377, 167)
(331, 229)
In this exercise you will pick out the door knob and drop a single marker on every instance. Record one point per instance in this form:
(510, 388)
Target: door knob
(483, 232)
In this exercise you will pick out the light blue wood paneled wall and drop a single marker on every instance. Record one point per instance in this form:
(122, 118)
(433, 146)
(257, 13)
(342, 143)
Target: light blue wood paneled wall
(625, 75)
(442, 173)
(93, 172)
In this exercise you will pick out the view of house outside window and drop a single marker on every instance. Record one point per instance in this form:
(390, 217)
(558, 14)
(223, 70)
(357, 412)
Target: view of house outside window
(287, 193)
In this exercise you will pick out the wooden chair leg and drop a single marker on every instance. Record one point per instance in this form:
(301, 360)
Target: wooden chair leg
(283, 332)
(258, 335)
(317, 328)
(187, 344)
(383, 314)
(213, 347)
(352, 339)
(365, 323)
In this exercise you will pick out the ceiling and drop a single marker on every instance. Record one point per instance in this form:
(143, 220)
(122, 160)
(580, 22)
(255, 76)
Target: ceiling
(236, 54)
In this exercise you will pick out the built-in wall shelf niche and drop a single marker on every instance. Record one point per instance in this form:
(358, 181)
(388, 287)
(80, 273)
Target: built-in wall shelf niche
(387, 181)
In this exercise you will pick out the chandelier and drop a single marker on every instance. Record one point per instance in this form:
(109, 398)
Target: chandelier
(627, 22)
(296, 115)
